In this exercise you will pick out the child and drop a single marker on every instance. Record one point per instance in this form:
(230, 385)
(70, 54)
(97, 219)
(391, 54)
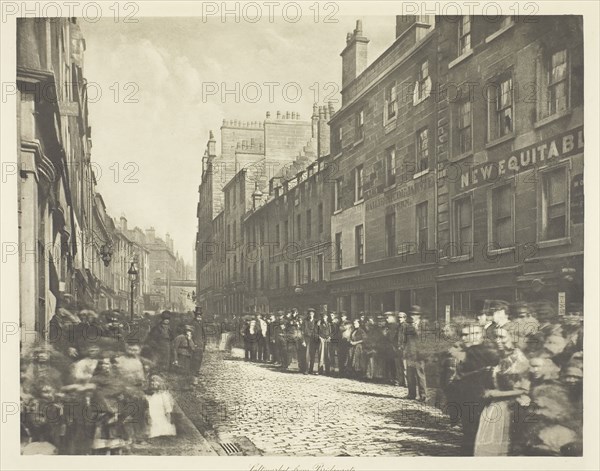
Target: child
(160, 409)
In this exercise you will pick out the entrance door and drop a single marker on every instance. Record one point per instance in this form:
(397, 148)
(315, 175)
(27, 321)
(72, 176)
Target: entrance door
(405, 301)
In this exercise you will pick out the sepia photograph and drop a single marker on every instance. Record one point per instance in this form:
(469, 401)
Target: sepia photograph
(333, 230)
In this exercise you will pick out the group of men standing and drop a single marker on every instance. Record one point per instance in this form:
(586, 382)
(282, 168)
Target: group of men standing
(333, 342)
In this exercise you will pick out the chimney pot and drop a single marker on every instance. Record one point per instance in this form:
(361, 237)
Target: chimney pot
(268, 114)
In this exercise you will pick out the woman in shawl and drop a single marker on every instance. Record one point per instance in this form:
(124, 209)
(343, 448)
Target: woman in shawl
(508, 383)
(357, 360)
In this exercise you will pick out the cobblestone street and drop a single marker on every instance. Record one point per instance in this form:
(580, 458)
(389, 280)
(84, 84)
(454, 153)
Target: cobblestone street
(287, 413)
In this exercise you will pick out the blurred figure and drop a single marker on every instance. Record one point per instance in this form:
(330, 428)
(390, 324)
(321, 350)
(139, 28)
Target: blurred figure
(262, 347)
(509, 382)
(160, 405)
(417, 387)
(158, 343)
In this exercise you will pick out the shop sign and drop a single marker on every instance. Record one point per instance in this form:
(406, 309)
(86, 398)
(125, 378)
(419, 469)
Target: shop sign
(556, 147)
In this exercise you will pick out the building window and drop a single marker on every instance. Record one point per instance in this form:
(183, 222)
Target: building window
(554, 204)
(286, 275)
(390, 234)
(359, 126)
(277, 280)
(500, 109)
(422, 158)
(337, 140)
(233, 197)
(299, 226)
(228, 235)
(285, 231)
(337, 194)
(359, 244)
(391, 102)
(422, 229)
(423, 81)
(502, 230)
(558, 83)
(464, 34)
(234, 238)
(463, 226)
(338, 251)
(298, 273)
(254, 276)
(320, 214)
(320, 267)
(277, 235)
(262, 232)
(390, 166)
(465, 137)
(308, 223)
(308, 270)
(358, 183)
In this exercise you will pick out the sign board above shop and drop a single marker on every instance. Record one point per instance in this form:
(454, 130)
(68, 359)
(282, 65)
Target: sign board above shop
(544, 152)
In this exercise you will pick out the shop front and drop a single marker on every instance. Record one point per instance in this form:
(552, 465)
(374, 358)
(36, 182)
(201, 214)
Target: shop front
(377, 293)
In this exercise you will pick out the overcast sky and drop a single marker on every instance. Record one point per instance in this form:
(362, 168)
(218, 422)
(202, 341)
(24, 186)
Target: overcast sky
(151, 123)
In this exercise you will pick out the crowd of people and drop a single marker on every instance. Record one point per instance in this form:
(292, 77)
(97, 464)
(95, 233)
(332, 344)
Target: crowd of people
(512, 376)
(97, 385)
(381, 348)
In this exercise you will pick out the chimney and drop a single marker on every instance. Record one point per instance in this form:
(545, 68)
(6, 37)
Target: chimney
(123, 221)
(212, 143)
(150, 235)
(354, 55)
(413, 28)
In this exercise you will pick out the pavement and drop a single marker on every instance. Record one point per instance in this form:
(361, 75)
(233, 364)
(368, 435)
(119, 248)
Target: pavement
(261, 410)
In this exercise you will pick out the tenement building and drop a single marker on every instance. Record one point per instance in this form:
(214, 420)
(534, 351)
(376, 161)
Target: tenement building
(510, 184)
(235, 182)
(453, 175)
(383, 149)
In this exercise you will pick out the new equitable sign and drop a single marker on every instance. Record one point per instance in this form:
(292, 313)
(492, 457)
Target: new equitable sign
(563, 145)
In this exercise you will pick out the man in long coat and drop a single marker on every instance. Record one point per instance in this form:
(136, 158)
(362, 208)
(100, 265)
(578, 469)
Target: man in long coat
(158, 343)
(199, 337)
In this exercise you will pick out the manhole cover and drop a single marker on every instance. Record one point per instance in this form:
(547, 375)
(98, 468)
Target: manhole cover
(230, 448)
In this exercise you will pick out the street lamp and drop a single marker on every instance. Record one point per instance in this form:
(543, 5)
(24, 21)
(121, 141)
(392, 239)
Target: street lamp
(133, 277)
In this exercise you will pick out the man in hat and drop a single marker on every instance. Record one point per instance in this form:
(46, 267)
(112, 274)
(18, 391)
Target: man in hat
(390, 338)
(499, 311)
(199, 336)
(417, 388)
(399, 350)
(159, 342)
(263, 351)
(311, 339)
(184, 349)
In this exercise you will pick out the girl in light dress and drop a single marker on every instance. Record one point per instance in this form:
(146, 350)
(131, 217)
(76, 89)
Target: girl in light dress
(160, 409)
